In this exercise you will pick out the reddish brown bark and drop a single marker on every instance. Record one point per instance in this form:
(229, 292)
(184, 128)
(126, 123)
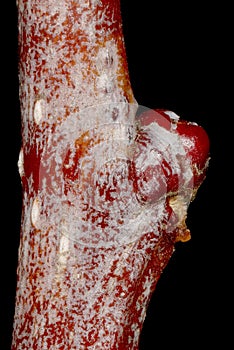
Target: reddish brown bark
(105, 192)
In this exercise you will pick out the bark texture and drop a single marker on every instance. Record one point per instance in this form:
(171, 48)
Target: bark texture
(105, 191)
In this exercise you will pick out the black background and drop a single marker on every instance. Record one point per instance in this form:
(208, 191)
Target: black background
(179, 58)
